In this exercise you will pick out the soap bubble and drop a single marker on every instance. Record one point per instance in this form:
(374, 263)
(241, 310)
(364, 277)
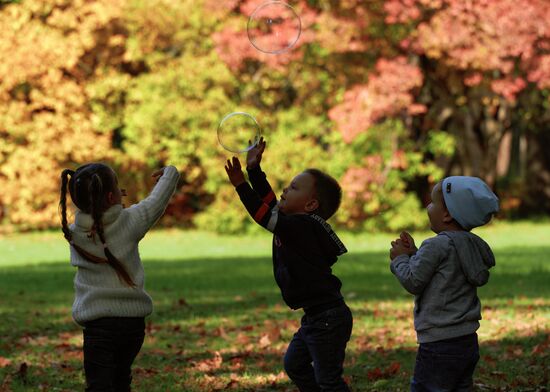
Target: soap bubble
(238, 132)
(274, 27)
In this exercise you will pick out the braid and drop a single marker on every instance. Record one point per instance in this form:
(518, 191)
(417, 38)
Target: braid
(63, 203)
(96, 204)
(95, 193)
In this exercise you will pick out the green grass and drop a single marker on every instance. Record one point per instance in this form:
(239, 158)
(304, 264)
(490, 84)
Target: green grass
(219, 320)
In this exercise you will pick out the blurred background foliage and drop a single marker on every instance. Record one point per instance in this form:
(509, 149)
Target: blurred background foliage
(387, 96)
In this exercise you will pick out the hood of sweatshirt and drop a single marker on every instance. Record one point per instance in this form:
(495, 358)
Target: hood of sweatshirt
(330, 245)
(475, 255)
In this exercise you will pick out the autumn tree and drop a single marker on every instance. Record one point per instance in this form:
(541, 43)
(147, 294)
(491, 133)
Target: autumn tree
(476, 71)
(483, 75)
(132, 83)
(388, 96)
(45, 118)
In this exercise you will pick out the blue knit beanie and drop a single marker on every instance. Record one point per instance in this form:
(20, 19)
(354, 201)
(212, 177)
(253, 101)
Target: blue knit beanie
(469, 200)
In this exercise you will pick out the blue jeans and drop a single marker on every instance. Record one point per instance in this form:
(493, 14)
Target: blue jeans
(446, 365)
(110, 347)
(315, 357)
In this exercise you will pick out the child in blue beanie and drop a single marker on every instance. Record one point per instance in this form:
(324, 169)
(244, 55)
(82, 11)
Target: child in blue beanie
(444, 274)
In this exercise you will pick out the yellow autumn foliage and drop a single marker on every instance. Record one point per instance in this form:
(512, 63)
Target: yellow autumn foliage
(45, 120)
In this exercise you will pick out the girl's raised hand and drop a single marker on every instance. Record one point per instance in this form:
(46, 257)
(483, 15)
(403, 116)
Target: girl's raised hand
(158, 174)
(254, 156)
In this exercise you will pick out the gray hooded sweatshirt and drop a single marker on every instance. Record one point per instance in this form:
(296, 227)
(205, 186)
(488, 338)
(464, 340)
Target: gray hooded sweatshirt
(444, 275)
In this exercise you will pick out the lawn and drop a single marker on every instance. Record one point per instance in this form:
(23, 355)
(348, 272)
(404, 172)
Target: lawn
(220, 323)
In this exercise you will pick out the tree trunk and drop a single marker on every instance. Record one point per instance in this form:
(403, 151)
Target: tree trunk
(537, 177)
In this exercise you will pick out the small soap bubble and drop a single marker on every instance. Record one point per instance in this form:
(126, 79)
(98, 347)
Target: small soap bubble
(274, 27)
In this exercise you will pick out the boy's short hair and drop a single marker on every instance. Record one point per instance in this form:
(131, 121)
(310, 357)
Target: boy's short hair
(328, 193)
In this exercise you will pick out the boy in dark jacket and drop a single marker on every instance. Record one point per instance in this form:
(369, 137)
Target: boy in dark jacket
(444, 275)
(304, 249)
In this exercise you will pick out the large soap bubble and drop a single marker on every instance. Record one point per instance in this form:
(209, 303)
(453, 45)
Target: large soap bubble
(238, 132)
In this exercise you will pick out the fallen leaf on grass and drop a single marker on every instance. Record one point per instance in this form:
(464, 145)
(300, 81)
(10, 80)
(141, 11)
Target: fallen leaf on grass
(498, 375)
(183, 303)
(4, 362)
(211, 383)
(273, 330)
(265, 341)
(242, 339)
(146, 372)
(271, 379)
(62, 367)
(6, 382)
(390, 371)
(490, 361)
(542, 348)
(159, 352)
(234, 382)
(210, 364)
(29, 340)
(236, 364)
(220, 331)
(152, 328)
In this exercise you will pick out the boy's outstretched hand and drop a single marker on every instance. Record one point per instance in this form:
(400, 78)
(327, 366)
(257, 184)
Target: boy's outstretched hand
(254, 156)
(404, 245)
(234, 172)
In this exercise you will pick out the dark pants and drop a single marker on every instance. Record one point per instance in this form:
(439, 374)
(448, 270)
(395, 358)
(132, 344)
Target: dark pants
(315, 357)
(446, 365)
(110, 346)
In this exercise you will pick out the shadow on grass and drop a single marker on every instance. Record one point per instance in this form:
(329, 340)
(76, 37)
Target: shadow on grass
(228, 287)
(512, 364)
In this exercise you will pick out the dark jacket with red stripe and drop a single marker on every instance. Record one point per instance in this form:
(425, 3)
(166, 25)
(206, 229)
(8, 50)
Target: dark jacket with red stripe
(304, 246)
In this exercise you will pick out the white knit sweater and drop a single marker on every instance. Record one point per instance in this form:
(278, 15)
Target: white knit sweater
(98, 290)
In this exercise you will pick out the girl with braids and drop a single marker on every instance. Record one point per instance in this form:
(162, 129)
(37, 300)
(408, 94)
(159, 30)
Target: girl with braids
(110, 300)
